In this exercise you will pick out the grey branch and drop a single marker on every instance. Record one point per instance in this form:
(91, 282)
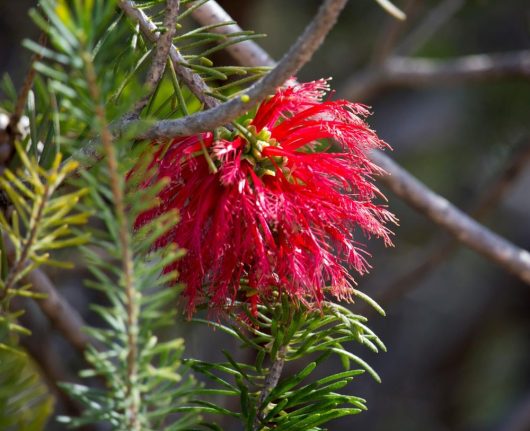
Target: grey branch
(48, 361)
(459, 224)
(487, 202)
(163, 46)
(417, 71)
(245, 52)
(271, 381)
(407, 71)
(194, 82)
(298, 55)
(61, 314)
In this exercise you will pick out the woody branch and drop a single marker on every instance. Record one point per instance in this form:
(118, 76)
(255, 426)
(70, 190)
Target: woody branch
(415, 72)
(298, 55)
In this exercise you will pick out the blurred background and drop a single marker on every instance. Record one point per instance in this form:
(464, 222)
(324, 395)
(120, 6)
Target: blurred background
(457, 326)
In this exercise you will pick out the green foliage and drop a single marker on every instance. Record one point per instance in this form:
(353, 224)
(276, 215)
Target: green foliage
(145, 380)
(120, 77)
(284, 334)
(73, 28)
(25, 404)
(197, 45)
(40, 222)
(159, 385)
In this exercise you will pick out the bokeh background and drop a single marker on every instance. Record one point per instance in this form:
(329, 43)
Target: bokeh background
(458, 335)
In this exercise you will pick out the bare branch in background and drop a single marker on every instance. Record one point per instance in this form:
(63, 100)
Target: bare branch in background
(163, 46)
(414, 72)
(436, 18)
(298, 55)
(513, 170)
(61, 314)
(419, 71)
(388, 38)
(192, 80)
(460, 225)
(245, 52)
(491, 198)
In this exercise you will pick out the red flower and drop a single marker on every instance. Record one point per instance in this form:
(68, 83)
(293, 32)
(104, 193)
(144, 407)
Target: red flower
(275, 208)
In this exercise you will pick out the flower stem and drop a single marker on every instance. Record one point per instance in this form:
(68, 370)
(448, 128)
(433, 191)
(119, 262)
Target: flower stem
(209, 161)
(271, 381)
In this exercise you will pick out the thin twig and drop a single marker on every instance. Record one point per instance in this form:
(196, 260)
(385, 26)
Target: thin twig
(61, 314)
(192, 80)
(459, 224)
(133, 406)
(48, 361)
(414, 72)
(434, 20)
(513, 170)
(245, 52)
(163, 46)
(388, 38)
(271, 381)
(298, 55)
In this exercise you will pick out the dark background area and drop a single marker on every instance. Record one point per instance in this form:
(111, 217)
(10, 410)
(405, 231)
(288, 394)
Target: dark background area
(458, 338)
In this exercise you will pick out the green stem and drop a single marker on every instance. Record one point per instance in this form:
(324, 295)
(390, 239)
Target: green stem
(20, 263)
(209, 161)
(134, 404)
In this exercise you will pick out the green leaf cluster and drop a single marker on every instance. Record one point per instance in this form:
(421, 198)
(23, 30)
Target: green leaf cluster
(140, 363)
(25, 404)
(197, 44)
(40, 222)
(284, 334)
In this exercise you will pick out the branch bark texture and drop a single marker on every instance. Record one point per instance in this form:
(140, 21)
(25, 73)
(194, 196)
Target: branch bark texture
(298, 55)
(193, 81)
(163, 47)
(246, 52)
(416, 72)
(459, 224)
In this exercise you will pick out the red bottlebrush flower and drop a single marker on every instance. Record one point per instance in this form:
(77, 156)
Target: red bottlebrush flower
(276, 206)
